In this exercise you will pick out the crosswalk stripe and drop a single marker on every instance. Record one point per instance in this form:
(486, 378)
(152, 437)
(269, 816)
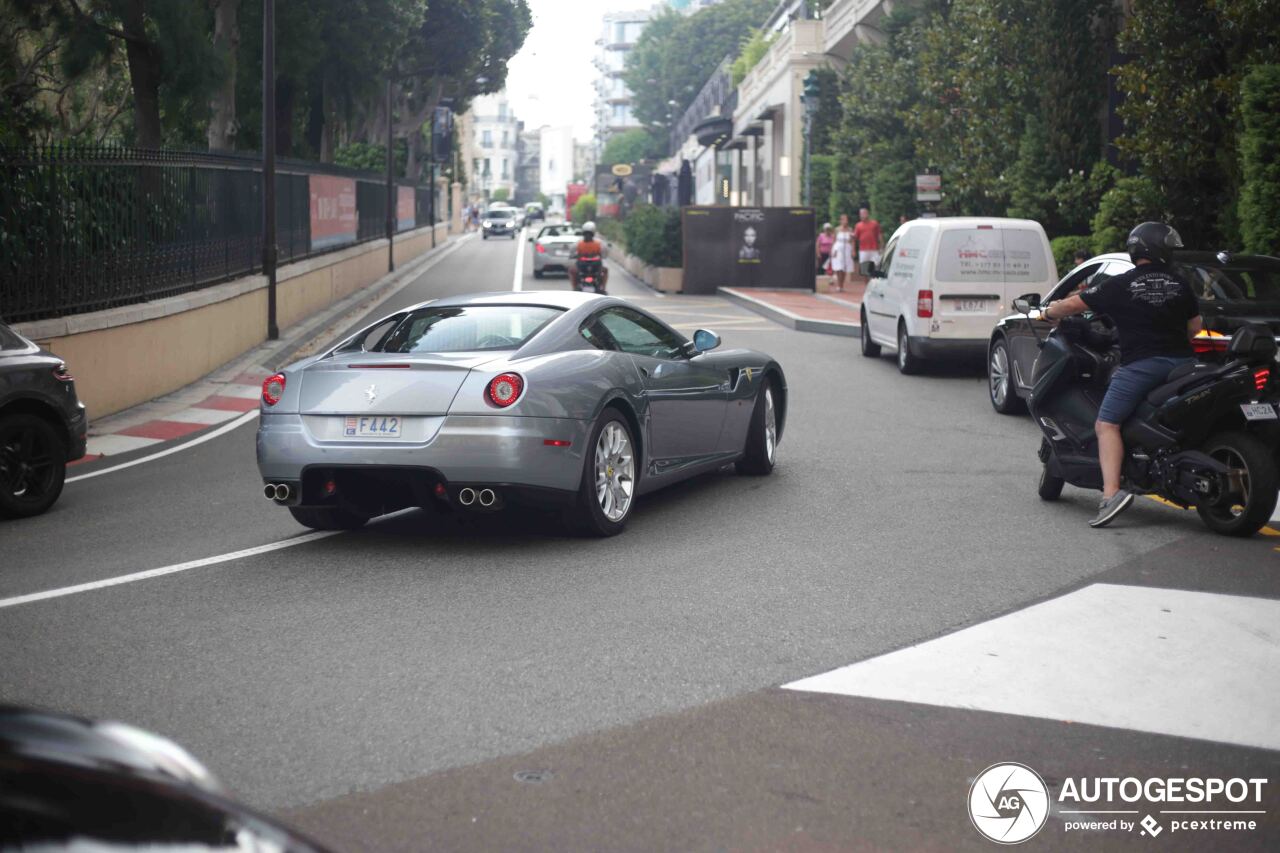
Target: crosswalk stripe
(1131, 657)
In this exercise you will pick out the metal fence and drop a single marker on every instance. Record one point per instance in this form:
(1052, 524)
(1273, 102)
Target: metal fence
(88, 228)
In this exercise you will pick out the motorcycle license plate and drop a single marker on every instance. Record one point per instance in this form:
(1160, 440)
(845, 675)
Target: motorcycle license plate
(1258, 411)
(369, 426)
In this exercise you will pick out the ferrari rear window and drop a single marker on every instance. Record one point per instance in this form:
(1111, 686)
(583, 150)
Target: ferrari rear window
(466, 328)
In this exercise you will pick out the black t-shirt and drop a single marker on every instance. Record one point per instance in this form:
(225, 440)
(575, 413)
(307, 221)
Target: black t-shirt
(1150, 305)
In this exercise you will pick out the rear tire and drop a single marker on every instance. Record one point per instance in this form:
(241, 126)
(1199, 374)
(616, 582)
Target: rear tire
(321, 518)
(1050, 488)
(33, 465)
(1261, 482)
(762, 436)
(908, 364)
(1004, 397)
(870, 349)
(606, 492)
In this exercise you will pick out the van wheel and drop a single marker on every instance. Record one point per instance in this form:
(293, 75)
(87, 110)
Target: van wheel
(870, 349)
(908, 364)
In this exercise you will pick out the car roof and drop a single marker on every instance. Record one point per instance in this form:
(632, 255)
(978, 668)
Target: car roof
(563, 299)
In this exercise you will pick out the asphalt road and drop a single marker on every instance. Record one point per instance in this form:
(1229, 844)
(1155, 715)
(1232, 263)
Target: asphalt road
(331, 671)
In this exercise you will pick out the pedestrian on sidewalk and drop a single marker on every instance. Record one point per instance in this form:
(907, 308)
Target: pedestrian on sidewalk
(869, 239)
(826, 239)
(842, 252)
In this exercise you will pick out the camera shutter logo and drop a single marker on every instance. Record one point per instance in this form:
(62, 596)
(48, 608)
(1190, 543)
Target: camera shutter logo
(1008, 803)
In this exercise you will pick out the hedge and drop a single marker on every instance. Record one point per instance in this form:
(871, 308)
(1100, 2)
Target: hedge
(653, 235)
(1259, 205)
(1064, 250)
(1130, 202)
(584, 209)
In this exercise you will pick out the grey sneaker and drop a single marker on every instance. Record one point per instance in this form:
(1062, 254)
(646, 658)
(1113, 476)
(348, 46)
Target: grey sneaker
(1109, 508)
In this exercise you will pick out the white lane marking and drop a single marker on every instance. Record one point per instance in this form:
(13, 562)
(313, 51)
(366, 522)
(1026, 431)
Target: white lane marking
(1168, 661)
(517, 284)
(110, 445)
(165, 570)
(198, 415)
(209, 436)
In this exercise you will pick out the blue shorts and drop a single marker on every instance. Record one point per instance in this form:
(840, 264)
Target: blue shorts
(1133, 382)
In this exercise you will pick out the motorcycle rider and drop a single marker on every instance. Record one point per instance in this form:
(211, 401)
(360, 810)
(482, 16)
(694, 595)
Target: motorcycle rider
(588, 247)
(1156, 314)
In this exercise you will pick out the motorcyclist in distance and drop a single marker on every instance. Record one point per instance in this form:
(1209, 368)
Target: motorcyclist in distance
(589, 247)
(1156, 314)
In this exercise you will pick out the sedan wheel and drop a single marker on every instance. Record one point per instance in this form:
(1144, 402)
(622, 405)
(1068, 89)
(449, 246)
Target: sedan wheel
(1004, 399)
(608, 484)
(762, 435)
(33, 465)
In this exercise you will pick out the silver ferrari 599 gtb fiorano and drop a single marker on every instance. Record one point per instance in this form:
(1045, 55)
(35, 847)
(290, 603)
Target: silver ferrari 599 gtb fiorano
(476, 402)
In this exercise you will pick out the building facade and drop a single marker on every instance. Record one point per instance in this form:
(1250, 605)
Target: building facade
(495, 154)
(619, 33)
(556, 163)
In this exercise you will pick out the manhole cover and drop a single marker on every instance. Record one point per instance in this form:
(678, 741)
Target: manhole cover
(533, 776)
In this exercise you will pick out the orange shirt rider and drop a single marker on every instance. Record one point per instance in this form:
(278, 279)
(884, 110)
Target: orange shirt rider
(589, 249)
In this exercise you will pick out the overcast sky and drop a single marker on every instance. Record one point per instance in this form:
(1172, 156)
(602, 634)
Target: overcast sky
(550, 80)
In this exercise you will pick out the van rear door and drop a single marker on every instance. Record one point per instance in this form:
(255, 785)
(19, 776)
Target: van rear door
(980, 269)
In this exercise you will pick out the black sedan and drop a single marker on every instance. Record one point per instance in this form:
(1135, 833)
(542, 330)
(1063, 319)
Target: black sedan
(1233, 290)
(42, 425)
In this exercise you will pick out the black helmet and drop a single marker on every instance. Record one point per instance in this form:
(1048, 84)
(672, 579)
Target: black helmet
(1154, 241)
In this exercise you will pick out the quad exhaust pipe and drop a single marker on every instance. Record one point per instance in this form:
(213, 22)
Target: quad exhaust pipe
(279, 492)
(486, 497)
(467, 496)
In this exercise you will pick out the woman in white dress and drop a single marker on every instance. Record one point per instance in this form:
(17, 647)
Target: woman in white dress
(842, 252)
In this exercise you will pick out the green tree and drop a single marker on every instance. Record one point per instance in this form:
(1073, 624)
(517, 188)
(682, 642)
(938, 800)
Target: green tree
(1033, 176)
(1181, 105)
(1260, 160)
(1130, 201)
(754, 49)
(172, 64)
(584, 209)
(675, 55)
(500, 194)
(630, 146)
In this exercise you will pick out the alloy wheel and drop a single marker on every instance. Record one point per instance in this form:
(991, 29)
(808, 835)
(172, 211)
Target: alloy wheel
(770, 424)
(27, 466)
(615, 471)
(998, 374)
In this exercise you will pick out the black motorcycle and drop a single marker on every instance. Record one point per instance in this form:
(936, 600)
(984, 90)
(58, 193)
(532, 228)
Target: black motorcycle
(1208, 437)
(591, 273)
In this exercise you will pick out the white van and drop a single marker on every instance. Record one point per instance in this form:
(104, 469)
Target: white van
(943, 283)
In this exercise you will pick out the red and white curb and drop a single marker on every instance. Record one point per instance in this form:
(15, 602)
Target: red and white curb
(233, 399)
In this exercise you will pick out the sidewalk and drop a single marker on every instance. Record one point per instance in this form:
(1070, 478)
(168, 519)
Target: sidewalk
(232, 391)
(805, 310)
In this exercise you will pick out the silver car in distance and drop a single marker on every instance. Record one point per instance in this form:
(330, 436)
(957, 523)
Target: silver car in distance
(550, 399)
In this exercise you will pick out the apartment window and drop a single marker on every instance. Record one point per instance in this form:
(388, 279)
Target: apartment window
(505, 139)
(486, 138)
(486, 166)
(505, 173)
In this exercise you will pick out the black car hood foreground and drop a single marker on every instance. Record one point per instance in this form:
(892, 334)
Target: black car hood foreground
(67, 782)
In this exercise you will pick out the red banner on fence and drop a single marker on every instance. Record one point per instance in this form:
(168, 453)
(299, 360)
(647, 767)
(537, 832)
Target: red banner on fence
(404, 209)
(333, 211)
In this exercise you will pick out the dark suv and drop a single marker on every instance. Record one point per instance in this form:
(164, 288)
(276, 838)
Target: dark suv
(42, 425)
(1233, 290)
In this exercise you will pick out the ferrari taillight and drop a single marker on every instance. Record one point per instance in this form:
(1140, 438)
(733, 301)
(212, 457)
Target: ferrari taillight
(504, 389)
(273, 389)
(1260, 377)
(924, 304)
(542, 250)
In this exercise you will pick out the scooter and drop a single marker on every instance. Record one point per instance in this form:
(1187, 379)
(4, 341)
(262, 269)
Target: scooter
(1206, 438)
(591, 273)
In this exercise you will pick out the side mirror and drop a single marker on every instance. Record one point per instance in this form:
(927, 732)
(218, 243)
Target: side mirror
(1026, 303)
(705, 340)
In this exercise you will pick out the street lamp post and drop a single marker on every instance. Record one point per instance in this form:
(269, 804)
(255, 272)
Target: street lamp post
(812, 92)
(391, 185)
(269, 253)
